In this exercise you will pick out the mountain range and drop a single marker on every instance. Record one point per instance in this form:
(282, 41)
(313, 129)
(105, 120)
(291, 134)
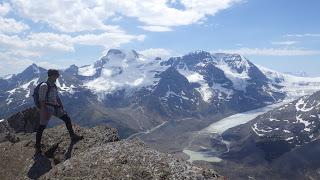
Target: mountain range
(199, 84)
(161, 100)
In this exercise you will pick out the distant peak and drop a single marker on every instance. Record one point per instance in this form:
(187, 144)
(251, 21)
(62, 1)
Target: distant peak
(73, 66)
(299, 74)
(114, 51)
(199, 52)
(122, 53)
(117, 55)
(72, 69)
(33, 67)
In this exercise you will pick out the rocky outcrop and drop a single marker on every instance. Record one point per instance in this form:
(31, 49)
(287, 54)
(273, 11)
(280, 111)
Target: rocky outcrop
(127, 159)
(25, 121)
(100, 155)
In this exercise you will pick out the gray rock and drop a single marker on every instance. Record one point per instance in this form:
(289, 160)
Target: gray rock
(127, 159)
(100, 155)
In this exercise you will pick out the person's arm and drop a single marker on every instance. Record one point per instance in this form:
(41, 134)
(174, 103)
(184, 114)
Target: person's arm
(59, 102)
(42, 97)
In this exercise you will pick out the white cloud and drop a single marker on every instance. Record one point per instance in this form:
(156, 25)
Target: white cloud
(303, 35)
(284, 42)
(13, 59)
(4, 9)
(15, 62)
(156, 28)
(66, 16)
(48, 65)
(12, 63)
(48, 42)
(107, 40)
(11, 26)
(156, 52)
(159, 13)
(22, 54)
(44, 43)
(77, 15)
(40, 43)
(271, 52)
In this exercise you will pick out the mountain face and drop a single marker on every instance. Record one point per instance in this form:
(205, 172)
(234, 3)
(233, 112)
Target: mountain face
(285, 140)
(100, 155)
(135, 94)
(290, 126)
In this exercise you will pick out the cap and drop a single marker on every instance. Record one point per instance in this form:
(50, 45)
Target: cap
(53, 72)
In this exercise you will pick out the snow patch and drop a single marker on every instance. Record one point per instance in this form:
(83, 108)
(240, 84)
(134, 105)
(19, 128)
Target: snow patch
(62, 87)
(26, 86)
(1, 120)
(239, 80)
(204, 89)
(12, 91)
(206, 92)
(256, 130)
(300, 120)
(290, 138)
(125, 71)
(171, 93)
(303, 108)
(9, 101)
(6, 77)
(88, 70)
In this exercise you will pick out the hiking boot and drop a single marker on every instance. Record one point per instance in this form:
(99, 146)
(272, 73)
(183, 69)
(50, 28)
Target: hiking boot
(75, 138)
(37, 150)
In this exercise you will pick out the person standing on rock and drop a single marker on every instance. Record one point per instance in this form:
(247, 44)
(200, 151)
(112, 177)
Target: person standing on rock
(50, 104)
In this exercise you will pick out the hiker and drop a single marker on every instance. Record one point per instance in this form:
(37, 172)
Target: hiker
(50, 104)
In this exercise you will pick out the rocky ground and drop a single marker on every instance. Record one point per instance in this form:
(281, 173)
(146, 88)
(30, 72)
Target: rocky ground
(100, 155)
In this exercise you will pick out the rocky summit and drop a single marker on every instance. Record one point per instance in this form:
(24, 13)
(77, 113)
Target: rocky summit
(100, 155)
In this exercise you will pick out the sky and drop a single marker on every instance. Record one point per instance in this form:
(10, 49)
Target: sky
(283, 35)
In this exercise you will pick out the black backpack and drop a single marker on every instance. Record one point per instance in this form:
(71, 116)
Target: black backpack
(36, 94)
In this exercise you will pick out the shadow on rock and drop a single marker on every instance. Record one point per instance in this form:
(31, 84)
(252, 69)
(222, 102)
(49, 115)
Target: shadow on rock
(43, 163)
(69, 151)
(40, 166)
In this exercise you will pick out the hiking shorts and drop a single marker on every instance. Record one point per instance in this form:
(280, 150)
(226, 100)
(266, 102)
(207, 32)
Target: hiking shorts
(57, 112)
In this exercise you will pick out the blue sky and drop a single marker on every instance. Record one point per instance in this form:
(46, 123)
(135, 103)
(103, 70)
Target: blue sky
(280, 34)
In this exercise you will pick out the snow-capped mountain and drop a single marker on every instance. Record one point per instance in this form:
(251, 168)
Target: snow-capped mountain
(291, 125)
(284, 140)
(297, 122)
(293, 86)
(226, 79)
(125, 85)
(299, 74)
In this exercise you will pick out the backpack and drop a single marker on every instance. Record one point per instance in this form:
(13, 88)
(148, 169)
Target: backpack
(36, 94)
